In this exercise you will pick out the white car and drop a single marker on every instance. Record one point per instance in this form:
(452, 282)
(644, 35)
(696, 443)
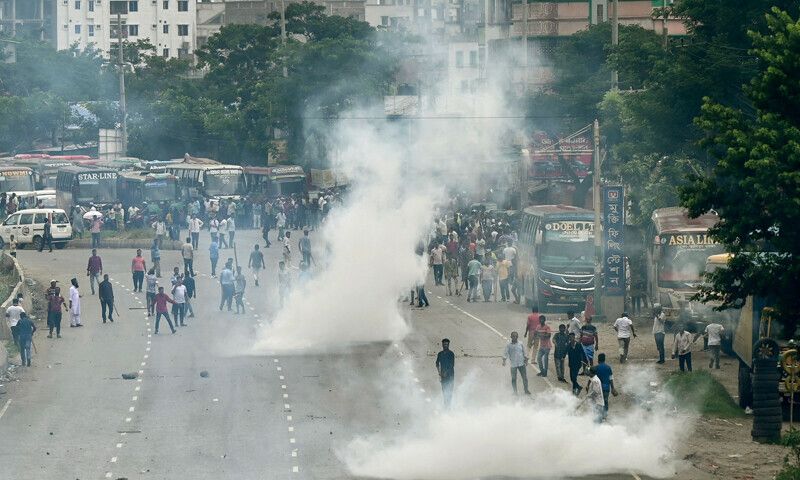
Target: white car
(27, 226)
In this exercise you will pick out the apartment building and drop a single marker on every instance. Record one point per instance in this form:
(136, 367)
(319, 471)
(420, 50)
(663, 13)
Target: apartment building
(168, 24)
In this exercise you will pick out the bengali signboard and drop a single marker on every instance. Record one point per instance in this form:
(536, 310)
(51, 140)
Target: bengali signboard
(614, 240)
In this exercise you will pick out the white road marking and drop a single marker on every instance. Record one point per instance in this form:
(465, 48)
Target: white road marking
(131, 409)
(134, 398)
(5, 407)
(283, 387)
(128, 420)
(215, 400)
(280, 377)
(285, 395)
(278, 368)
(292, 440)
(422, 390)
(286, 406)
(294, 452)
(123, 433)
(144, 363)
(109, 474)
(295, 469)
(146, 356)
(275, 360)
(289, 418)
(113, 459)
(291, 429)
(119, 445)
(136, 389)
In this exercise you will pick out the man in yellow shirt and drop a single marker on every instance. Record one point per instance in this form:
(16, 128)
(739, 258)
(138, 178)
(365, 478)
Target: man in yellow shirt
(503, 270)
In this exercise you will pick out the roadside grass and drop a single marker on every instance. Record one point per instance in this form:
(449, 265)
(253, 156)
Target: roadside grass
(129, 234)
(701, 391)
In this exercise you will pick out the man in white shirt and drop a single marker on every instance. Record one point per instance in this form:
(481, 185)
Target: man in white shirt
(187, 252)
(213, 228)
(223, 230)
(682, 348)
(437, 260)
(515, 355)
(594, 393)
(658, 331)
(280, 222)
(195, 224)
(573, 325)
(231, 230)
(624, 327)
(161, 230)
(179, 307)
(13, 314)
(74, 304)
(714, 335)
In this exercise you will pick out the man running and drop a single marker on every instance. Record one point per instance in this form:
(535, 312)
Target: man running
(256, 262)
(624, 328)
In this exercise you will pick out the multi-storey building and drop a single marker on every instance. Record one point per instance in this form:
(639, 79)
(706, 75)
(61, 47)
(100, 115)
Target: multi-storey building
(167, 24)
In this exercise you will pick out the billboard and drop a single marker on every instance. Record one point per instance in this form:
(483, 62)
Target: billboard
(562, 158)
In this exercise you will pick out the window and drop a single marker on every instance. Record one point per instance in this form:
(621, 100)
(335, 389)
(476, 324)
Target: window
(133, 30)
(77, 4)
(77, 29)
(165, 52)
(12, 220)
(459, 59)
(40, 218)
(183, 52)
(464, 86)
(91, 5)
(183, 5)
(385, 21)
(599, 14)
(133, 6)
(183, 30)
(91, 30)
(165, 28)
(26, 219)
(165, 5)
(473, 58)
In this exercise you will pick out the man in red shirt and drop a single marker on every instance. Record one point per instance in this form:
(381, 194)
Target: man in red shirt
(530, 328)
(161, 308)
(543, 333)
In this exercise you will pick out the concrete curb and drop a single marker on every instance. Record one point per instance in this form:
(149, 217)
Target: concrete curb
(144, 244)
(3, 358)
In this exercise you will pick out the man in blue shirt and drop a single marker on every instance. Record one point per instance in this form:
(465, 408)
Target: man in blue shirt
(603, 371)
(445, 364)
(213, 255)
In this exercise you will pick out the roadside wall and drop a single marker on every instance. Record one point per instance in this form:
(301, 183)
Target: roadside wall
(143, 243)
(7, 261)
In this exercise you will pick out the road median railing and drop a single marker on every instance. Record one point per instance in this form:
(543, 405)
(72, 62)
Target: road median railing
(142, 243)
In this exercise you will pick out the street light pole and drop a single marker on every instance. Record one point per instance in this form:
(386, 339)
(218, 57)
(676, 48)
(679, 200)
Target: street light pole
(283, 35)
(122, 105)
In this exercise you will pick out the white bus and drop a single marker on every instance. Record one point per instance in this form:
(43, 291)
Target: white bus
(209, 180)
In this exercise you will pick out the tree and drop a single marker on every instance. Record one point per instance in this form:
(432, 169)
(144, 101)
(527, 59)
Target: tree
(755, 185)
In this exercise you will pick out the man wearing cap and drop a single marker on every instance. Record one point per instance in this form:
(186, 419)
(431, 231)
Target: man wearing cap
(74, 304)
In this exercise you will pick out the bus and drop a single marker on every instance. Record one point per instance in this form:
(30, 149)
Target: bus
(139, 187)
(556, 255)
(676, 257)
(283, 180)
(17, 179)
(86, 186)
(45, 168)
(215, 181)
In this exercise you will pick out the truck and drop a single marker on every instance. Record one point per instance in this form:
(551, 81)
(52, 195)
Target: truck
(751, 333)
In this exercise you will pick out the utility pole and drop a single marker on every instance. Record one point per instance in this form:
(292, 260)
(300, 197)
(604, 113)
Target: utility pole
(122, 106)
(598, 250)
(283, 36)
(664, 30)
(615, 41)
(525, 46)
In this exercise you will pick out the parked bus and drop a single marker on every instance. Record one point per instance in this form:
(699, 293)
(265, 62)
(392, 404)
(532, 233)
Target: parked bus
(138, 187)
(45, 168)
(556, 255)
(85, 186)
(677, 256)
(209, 180)
(282, 180)
(17, 179)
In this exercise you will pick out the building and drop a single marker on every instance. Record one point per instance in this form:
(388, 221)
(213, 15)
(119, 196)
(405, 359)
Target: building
(170, 25)
(28, 19)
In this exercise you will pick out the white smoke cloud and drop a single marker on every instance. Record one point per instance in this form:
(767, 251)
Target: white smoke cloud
(549, 439)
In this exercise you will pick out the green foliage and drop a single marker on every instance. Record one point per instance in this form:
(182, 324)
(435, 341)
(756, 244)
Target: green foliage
(700, 392)
(791, 462)
(755, 185)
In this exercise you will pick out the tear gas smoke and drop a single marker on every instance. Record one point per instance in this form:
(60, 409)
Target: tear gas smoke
(547, 440)
(399, 172)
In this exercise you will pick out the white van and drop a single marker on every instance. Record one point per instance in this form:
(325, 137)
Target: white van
(27, 226)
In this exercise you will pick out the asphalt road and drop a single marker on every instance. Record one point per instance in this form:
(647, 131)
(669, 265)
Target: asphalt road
(72, 415)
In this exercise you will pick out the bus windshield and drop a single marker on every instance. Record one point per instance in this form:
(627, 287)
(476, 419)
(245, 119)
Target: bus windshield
(97, 190)
(561, 249)
(16, 181)
(292, 186)
(683, 265)
(224, 182)
(160, 190)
